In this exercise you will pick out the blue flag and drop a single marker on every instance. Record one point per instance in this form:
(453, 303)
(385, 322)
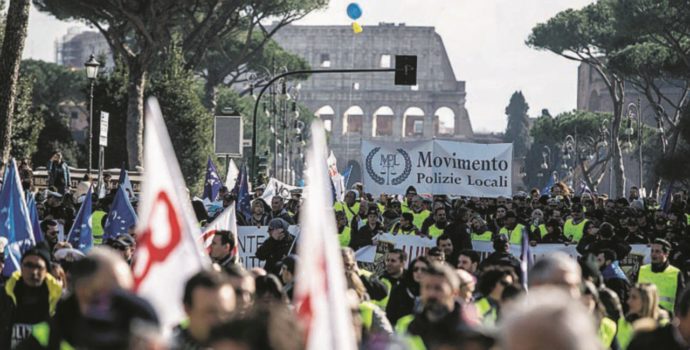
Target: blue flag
(15, 221)
(124, 182)
(346, 175)
(80, 235)
(547, 188)
(244, 199)
(35, 222)
(212, 184)
(121, 216)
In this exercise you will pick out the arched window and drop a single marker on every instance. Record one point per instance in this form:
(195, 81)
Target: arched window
(352, 121)
(326, 114)
(444, 122)
(413, 122)
(383, 122)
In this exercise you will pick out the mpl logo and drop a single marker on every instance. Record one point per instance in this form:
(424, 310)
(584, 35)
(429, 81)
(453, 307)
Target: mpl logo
(388, 168)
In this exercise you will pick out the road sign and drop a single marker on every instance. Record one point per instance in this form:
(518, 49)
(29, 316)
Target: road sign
(103, 139)
(406, 70)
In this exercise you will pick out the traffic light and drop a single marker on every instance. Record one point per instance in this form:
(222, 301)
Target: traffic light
(406, 70)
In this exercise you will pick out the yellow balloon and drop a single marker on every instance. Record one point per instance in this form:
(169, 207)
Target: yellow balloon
(356, 28)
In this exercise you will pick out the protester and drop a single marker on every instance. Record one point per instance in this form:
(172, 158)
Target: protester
(58, 173)
(222, 249)
(403, 297)
(29, 297)
(393, 274)
(668, 279)
(277, 246)
(671, 336)
(209, 300)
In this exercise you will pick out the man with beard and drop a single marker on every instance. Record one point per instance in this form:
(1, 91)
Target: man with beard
(573, 228)
(667, 278)
(405, 225)
(438, 225)
(512, 228)
(440, 315)
(420, 214)
(50, 232)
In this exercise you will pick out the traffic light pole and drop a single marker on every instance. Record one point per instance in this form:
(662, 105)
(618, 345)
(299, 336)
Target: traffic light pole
(278, 77)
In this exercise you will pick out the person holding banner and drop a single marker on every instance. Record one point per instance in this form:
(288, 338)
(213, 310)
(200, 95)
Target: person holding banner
(277, 246)
(512, 228)
(438, 225)
(479, 230)
(405, 225)
(364, 236)
(418, 211)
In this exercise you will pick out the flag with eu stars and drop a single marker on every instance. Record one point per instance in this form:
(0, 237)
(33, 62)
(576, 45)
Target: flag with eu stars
(121, 216)
(80, 235)
(244, 199)
(15, 220)
(212, 184)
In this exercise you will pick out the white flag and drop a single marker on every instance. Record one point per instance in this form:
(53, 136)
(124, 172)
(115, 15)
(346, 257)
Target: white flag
(226, 221)
(233, 173)
(167, 253)
(320, 288)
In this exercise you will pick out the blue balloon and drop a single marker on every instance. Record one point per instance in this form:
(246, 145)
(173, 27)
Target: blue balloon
(354, 11)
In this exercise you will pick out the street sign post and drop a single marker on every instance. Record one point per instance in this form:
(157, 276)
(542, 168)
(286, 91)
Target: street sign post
(102, 142)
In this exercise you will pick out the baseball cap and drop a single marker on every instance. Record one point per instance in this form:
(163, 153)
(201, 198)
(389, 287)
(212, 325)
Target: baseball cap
(278, 223)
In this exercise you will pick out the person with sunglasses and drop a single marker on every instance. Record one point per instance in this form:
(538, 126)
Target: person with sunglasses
(405, 295)
(30, 297)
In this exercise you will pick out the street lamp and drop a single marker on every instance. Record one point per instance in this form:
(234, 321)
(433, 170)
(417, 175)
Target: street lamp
(92, 73)
(635, 113)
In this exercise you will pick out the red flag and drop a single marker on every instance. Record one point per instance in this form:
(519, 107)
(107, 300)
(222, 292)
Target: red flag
(320, 277)
(167, 251)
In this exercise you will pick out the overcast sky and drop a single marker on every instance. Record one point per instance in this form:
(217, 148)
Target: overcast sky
(484, 38)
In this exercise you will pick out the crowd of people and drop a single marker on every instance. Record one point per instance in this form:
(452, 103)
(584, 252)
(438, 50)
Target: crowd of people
(451, 297)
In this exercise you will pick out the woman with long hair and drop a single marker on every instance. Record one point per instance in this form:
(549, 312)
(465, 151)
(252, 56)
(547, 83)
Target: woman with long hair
(643, 303)
(404, 296)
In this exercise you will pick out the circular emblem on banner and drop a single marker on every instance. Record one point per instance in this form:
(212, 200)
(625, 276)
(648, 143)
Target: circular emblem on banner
(388, 168)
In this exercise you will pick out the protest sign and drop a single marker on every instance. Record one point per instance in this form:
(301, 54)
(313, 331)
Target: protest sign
(438, 166)
(413, 245)
(276, 188)
(250, 238)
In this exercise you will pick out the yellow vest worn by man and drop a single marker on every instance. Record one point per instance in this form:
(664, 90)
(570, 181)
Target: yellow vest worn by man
(666, 283)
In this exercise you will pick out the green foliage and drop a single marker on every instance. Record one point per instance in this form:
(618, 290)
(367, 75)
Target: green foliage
(189, 123)
(53, 85)
(517, 130)
(27, 123)
(110, 95)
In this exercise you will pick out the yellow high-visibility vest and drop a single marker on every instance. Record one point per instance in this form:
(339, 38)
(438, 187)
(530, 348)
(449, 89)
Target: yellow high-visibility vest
(344, 237)
(414, 342)
(487, 312)
(666, 283)
(515, 235)
(607, 331)
(485, 237)
(572, 231)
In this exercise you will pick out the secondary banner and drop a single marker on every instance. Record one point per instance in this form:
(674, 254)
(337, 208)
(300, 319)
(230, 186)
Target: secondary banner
(438, 167)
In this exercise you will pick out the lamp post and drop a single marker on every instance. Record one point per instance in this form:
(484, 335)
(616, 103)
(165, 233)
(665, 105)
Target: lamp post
(635, 113)
(92, 73)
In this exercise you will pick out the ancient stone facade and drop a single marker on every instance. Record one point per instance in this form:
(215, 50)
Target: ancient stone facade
(356, 107)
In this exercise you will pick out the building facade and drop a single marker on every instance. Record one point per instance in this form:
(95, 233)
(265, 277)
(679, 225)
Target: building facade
(357, 107)
(75, 47)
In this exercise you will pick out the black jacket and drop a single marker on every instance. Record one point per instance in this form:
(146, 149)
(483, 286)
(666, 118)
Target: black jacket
(501, 259)
(273, 252)
(361, 237)
(660, 338)
(459, 234)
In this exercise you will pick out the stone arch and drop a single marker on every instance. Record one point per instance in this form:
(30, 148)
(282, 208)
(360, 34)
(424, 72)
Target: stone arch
(326, 114)
(383, 120)
(353, 120)
(444, 122)
(413, 122)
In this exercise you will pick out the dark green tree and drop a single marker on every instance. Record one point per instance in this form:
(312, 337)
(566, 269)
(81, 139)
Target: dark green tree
(53, 87)
(580, 135)
(139, 31)
(590, 36)
(27, 123)
(189, 123)
(517, 130)
(110, 95)
(14, 36)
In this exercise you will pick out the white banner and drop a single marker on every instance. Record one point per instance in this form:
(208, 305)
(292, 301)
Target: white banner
(276, 188)
(250, 238)
(438, 167)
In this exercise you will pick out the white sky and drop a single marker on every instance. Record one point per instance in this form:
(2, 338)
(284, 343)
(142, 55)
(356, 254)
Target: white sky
(484, 38)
